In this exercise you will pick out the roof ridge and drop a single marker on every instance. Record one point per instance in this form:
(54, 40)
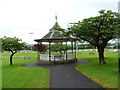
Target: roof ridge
(56, 26)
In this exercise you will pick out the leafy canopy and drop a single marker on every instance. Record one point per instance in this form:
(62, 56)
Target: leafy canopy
(97, 30)
(13, 44)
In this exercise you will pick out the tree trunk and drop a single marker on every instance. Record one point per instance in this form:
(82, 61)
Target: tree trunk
(101, 56)
(11, 58)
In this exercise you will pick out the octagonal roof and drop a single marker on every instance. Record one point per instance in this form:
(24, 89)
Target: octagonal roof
(54, 35)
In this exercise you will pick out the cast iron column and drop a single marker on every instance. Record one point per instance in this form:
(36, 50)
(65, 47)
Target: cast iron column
(72, 46)
(75, 49)
(39, 52)
(49, 51)
(66, 50)
(61, 51)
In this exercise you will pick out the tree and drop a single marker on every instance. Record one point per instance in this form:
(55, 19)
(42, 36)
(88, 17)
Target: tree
(13, 45)
(40, 47)
(29, 47)
(97, 30)
(58, 47)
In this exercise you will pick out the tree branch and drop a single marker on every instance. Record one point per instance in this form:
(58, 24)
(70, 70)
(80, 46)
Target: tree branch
(87, 41)
(108, 25)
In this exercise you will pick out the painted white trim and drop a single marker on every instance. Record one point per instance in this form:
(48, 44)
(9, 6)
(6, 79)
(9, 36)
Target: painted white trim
(61, 32)
(52, 34)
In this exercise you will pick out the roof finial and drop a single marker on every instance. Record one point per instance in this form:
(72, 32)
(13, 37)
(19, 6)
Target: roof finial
(56, 16)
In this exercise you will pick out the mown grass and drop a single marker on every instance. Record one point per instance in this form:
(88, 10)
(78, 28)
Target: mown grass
(0, 72)
(17, 76)
(105, 75)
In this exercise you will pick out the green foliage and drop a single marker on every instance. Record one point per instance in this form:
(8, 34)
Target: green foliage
(13, 44)
(29, 47)
(58, 28)
(86, 46)
(97, 30)
(58, 47)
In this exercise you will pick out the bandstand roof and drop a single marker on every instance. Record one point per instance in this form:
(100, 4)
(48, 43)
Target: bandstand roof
(54, 35)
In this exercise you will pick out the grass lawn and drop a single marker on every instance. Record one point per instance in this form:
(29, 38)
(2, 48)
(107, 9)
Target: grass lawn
(17, 76)
(105, 75)
(0, 72)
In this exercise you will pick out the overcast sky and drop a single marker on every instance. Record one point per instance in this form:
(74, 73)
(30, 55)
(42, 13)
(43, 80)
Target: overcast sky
(21, 17)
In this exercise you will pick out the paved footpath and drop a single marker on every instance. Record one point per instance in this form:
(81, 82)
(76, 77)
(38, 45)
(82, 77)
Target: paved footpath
(65, 76)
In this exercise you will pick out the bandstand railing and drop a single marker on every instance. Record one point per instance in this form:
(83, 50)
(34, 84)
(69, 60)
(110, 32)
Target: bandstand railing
(57, 57)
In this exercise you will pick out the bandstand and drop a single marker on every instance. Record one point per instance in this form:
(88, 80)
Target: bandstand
(55, 36)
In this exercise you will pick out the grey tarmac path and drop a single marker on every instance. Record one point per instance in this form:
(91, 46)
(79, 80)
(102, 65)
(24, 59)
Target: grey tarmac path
(65, 76)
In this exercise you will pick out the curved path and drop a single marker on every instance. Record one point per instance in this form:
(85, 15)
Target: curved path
(65, 76)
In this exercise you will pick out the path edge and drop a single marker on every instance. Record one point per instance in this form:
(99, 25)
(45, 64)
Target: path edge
(90, 77)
